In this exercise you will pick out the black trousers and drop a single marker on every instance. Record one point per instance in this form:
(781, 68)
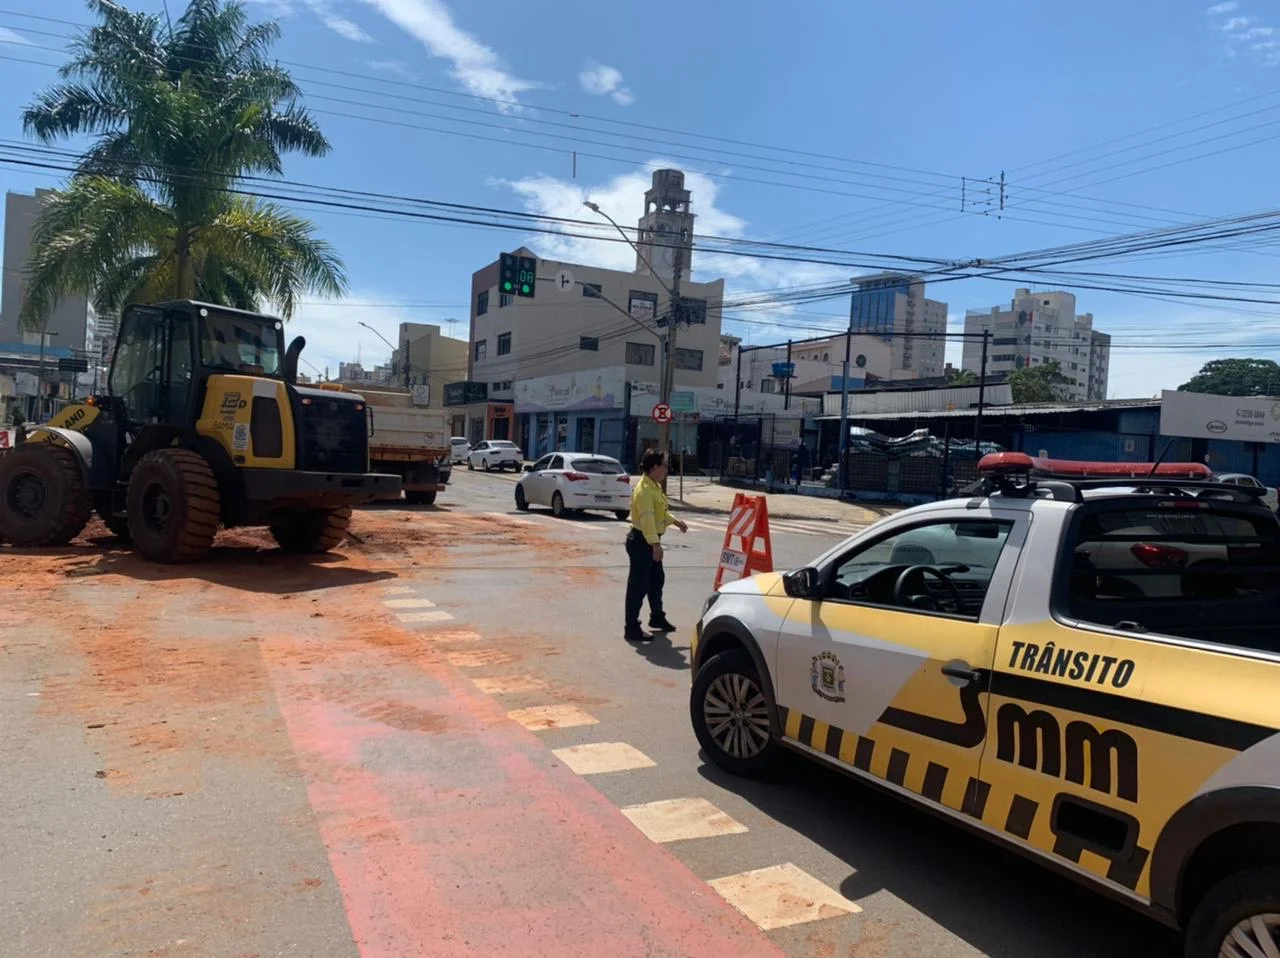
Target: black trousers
(646, 578)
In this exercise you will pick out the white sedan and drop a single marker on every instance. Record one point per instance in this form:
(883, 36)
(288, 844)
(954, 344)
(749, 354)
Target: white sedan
(494, 454)
(574, 482)
(1270, 498)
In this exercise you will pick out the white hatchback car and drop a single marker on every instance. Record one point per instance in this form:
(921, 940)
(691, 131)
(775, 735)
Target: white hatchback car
(494, 454)
(459, 446)
(575, 482)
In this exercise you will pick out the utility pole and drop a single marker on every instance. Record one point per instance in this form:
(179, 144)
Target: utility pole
(674, 318)
(406, 364)
(982, 396)
(844, 406)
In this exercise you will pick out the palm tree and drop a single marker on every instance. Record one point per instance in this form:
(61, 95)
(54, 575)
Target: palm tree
(157, 208)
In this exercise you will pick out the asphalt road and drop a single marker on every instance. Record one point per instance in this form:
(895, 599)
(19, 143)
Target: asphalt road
(430, 743)
(925, 886)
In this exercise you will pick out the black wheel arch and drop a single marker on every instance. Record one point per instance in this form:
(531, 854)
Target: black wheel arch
(1205, 837)
(726, 632)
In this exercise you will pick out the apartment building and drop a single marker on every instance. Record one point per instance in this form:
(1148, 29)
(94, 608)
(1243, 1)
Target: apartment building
(1038, 328)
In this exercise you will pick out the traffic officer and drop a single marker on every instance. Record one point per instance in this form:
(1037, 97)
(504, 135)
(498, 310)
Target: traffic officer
(650, 518)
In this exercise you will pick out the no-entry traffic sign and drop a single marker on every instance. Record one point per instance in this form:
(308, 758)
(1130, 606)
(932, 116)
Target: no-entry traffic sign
(662, 413)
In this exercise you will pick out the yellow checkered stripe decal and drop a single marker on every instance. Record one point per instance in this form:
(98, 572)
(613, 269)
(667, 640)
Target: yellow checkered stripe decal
(1018, 817)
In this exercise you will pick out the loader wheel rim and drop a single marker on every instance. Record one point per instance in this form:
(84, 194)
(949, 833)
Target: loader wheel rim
(157, 508)
(26, 495)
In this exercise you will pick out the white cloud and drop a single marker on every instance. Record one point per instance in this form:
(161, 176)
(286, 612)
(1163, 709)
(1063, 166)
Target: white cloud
(477, 67)
(345, 28)
(1257, 32)
(1236, 23)
(333, 333)
(622, 197)
(600, 80)
(1220, 8)
(394, 67)
(9, 36)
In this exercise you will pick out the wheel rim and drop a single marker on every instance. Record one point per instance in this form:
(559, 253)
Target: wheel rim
(736, 715)
(26, 494)
(157, 508)
(1257, 936)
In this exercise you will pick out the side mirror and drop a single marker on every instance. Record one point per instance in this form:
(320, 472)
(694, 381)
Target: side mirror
(528, 467)
(802, 584)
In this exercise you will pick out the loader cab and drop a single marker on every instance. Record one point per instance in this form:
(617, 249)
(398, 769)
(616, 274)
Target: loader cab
(166, 353)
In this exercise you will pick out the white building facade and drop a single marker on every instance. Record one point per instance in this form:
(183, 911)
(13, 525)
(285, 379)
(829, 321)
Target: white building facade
(893, 308)
(1039, 328)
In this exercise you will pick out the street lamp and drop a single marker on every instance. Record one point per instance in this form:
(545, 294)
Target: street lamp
(361, 322)
(668, 340)
(41, 397)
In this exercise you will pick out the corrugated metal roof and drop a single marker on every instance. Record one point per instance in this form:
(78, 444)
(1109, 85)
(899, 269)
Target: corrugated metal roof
(1026, 409)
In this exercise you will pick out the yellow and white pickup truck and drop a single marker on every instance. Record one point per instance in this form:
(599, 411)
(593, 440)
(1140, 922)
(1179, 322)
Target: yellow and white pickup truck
(1082, 661)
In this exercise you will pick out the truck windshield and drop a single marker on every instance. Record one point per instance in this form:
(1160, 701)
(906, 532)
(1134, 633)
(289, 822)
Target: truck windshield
(240, 344)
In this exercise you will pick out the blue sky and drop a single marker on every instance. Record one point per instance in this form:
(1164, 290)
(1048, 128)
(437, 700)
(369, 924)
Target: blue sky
(902, 100)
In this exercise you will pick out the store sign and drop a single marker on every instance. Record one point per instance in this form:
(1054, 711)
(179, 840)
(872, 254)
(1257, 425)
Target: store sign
(1205, 416)
(465, 393)
(572, 392)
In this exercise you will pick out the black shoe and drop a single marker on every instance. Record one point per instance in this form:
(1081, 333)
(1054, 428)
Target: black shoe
(633, 633)
(662, 625)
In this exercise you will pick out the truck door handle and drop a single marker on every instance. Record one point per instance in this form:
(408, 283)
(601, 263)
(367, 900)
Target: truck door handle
(962, 671)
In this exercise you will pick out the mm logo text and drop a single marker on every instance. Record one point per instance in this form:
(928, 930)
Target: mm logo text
(1104, 761)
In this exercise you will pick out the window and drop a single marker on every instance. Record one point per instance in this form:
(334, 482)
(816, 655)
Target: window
(589, 343)
(482, 349)
(506, 385)
(695, 311)
(504, 343)
(689, 359)
(766, 385)
(597, 467)
(482, 303)
(505, 299)
(1209, 573)
(961, 555)
(640, 354)
(557, 462)
(542, 463)
(643, 306)
(497, 387)
(591, 290)
(826, 357)
(233, 344)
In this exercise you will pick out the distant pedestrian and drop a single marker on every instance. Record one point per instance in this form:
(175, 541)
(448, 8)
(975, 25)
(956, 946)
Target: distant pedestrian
(650, 518)
(802, 464)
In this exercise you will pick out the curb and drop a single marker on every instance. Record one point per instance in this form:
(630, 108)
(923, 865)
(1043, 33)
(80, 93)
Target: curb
(688, 507)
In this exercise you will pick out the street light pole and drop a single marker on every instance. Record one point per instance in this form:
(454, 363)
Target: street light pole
(361, 322)
(668, 341)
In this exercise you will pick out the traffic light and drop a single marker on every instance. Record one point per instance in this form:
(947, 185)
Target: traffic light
(526, 276)
(508, 266)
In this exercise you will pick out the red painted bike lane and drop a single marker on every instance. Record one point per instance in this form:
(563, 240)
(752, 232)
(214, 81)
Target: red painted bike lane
(453, 831)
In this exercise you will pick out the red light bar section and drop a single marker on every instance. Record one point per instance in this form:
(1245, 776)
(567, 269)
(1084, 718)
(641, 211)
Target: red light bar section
(1019, 463)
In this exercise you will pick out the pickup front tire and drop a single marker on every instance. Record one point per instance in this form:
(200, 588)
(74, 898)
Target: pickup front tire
(730, 715)
(1239, 916)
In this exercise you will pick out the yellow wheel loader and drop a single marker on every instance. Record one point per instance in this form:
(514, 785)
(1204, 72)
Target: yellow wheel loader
(203, 425)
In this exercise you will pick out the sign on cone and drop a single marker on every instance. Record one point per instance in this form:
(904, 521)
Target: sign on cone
(747, 547)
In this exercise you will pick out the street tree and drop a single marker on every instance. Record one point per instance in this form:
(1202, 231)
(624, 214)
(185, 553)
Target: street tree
(180, 114)
(963, 377)
(1043, 383)
(1236, 377)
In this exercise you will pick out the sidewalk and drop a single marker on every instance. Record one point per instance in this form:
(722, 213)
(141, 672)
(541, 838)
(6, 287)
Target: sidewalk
(702, 494)
(705, 495)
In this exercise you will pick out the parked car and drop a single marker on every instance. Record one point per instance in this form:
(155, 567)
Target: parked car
(1270, 498)
(458, 449)
(494, 454)
(576, 482)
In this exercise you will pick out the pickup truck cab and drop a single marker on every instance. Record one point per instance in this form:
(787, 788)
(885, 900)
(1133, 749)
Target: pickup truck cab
(1080, 661)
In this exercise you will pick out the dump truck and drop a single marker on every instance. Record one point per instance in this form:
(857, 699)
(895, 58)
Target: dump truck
(203, 424)
(408, 441)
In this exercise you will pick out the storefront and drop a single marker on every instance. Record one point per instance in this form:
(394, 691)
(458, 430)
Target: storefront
(578, 412)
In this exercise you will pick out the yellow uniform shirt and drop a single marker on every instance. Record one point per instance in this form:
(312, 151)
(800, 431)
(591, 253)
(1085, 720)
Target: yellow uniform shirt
(649, 512)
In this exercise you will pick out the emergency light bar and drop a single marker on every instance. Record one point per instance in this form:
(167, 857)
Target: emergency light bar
(998, 464)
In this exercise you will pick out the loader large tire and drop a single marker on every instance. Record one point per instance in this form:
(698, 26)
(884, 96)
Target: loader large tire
(311, 530)
(173, 506)
(43, 499)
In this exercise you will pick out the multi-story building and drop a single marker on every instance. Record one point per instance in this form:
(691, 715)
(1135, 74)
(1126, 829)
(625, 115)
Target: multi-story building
(1039, 328)
(425, 356)
(564, 362)
(816, 367)
(893, 308)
